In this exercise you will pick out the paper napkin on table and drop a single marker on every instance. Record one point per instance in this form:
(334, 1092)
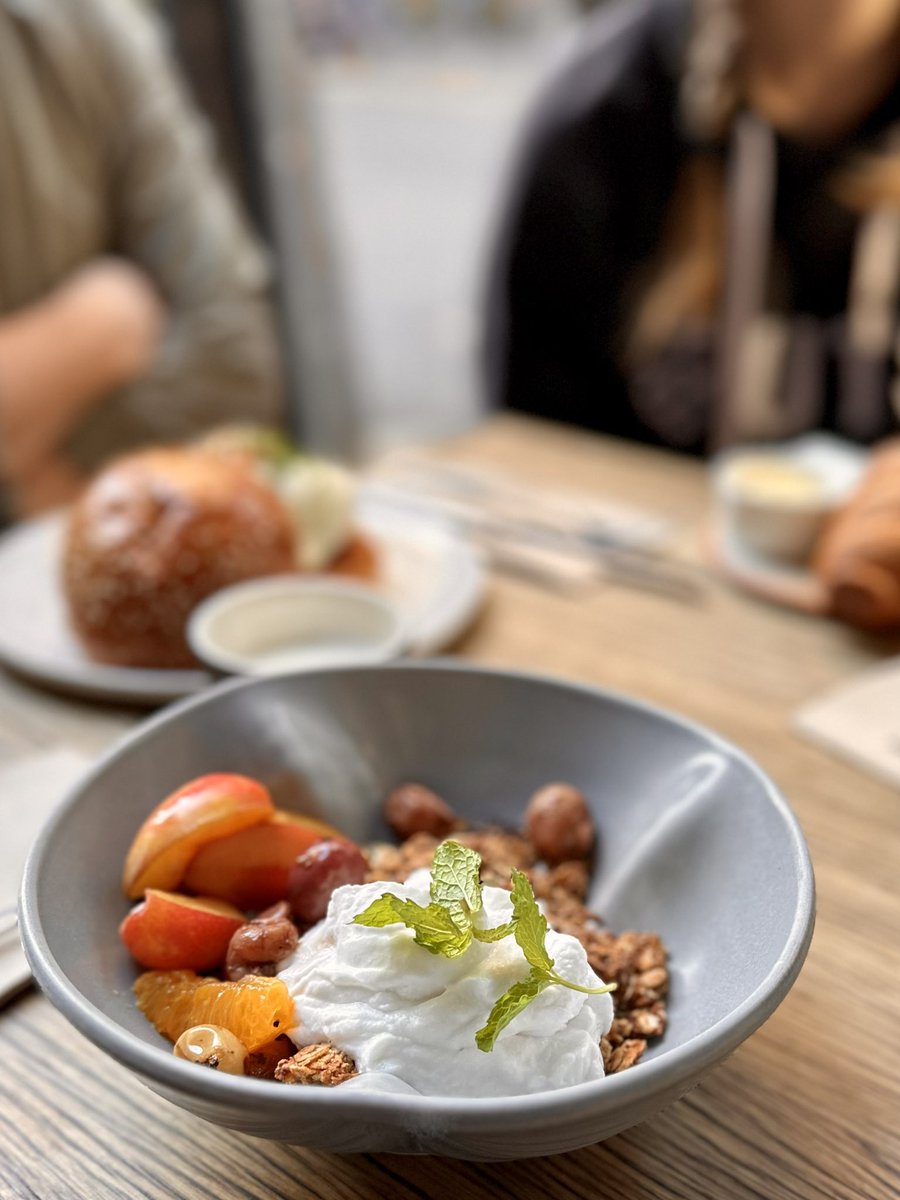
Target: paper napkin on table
(30, 789)
(860, 720)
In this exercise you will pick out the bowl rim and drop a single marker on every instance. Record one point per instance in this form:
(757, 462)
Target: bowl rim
(664, 1072)
(296, 588)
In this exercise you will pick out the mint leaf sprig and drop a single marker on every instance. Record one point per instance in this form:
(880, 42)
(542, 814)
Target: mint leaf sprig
(447, 927)
(530, 931)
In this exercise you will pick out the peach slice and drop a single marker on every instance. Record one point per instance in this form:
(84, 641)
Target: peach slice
(169, 932)
(210, 807)
(250, 868)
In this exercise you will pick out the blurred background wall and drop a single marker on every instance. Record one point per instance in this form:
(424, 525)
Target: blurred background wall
(419, 103)
(407, 115)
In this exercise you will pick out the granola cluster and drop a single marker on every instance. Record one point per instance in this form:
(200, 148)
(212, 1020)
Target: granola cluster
(321, 1064)
(636, 962)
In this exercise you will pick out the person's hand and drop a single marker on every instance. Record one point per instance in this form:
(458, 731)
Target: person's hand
(117, 297)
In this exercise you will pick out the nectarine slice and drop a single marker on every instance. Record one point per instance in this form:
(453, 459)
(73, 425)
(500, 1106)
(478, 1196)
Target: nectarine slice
(168, 931)
(250, 868)
(256, 1009)
(202, 810)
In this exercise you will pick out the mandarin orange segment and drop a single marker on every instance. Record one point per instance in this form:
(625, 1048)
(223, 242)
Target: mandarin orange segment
(255, 1009)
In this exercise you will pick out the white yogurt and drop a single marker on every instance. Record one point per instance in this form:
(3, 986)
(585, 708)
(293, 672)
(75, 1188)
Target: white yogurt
(408, 1018)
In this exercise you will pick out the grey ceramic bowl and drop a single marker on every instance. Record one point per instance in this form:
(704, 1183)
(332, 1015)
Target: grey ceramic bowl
(697, 844)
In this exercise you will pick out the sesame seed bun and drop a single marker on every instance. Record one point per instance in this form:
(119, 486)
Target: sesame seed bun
(154, 534)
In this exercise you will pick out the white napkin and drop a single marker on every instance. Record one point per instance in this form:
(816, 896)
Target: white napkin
(30, 789)
(860, 720)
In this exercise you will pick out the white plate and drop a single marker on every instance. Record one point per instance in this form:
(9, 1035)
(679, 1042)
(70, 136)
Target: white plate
(435, 577)
(793, 586)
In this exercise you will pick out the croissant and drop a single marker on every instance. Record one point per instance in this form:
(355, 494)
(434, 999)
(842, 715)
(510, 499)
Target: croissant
(858, 554)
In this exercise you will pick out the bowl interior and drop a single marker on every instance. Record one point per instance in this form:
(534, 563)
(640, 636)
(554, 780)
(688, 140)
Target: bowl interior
(695, 843)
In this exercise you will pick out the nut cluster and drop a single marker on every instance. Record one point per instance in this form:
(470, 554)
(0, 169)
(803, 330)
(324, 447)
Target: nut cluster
(257, 947)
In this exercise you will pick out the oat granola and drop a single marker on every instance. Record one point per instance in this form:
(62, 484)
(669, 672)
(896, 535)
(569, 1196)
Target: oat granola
(322, 1064)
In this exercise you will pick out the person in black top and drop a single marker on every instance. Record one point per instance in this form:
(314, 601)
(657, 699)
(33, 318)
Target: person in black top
(701, 240)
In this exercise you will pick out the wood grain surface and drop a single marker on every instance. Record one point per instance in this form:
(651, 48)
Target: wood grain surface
(808, 1107)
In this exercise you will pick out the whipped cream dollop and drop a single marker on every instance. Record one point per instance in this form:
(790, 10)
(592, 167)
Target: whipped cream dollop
(408, 1018)
(320, 497)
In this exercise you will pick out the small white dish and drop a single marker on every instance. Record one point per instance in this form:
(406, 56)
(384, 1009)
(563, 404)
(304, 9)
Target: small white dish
(775, 499)
(288, 623)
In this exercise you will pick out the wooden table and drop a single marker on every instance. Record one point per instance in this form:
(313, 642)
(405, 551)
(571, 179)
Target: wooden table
(808, 1107)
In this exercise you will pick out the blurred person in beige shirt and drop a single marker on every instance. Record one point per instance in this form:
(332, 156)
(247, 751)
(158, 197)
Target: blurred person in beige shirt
(133, 298)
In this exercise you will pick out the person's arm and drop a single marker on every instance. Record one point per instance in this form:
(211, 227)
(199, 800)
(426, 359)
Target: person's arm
(59, 358)
(173, 215)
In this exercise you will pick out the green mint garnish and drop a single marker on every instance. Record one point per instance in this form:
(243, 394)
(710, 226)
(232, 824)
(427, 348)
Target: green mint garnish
(455, 884)
(530, 932)
(276, 447)
(446, 926)
(497, 934)
(530, 923)
(435, 928)
(510, 1004)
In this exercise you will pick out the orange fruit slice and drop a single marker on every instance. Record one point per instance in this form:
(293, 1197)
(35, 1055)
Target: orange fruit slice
(255, 1009)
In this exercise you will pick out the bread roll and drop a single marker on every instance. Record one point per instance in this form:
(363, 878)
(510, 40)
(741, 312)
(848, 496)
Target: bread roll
(858, 556)
(154, 534)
